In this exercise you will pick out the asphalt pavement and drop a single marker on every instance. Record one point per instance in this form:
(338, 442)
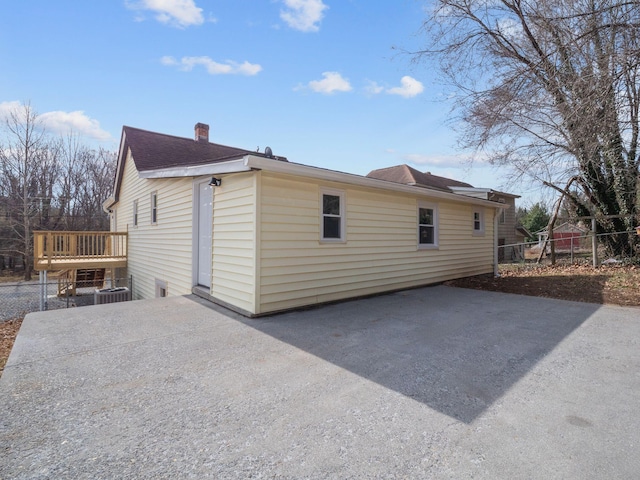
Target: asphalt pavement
(436, 382)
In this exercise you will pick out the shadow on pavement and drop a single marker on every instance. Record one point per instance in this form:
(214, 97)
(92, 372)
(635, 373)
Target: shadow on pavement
(456, 350)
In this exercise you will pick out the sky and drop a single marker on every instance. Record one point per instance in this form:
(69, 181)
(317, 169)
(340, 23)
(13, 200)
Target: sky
(326, 83)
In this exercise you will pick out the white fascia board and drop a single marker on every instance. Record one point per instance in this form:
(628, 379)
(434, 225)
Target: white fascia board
(470, 189)
(289, 168)
(464, 190)
(231, 166)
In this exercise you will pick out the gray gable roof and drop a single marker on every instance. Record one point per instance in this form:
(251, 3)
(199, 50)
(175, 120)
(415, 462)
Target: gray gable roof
(151, 150)
(410, 176)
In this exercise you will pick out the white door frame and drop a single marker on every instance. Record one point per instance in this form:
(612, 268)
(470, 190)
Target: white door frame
(195, 241)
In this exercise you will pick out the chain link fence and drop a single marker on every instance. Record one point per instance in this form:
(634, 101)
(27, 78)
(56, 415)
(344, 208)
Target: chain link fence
(570, 248)
(19, 298)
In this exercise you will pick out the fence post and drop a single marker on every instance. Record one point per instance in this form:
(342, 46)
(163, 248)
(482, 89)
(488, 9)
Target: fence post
(41, 282)
(594, 242)
(42, 277)
(571, 250)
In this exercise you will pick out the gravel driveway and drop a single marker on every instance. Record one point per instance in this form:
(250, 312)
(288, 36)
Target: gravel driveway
(430, 383)
(17, 299)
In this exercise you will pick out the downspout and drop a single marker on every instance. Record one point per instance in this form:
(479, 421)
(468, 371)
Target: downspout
(496, 216)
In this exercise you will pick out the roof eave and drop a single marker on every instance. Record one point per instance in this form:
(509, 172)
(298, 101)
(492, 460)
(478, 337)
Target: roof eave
(253, 162)
(462, 190)
(352, 179)
(217, 168)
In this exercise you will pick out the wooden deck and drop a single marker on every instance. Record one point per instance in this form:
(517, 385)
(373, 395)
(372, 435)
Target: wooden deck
(79, 250)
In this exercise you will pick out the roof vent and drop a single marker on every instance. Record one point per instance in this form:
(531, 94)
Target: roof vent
(268, 152)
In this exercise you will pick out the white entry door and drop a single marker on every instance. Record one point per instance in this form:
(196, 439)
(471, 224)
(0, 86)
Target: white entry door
(205, 226)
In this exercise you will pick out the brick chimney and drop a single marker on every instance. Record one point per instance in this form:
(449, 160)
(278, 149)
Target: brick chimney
(202, 132)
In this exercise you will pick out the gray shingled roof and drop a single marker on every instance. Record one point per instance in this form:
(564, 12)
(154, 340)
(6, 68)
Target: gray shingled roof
(410, 176)
(152, 151)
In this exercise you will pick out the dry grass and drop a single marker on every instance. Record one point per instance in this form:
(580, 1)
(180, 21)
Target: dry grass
(608, 284)
(8, 332)
(11, 278)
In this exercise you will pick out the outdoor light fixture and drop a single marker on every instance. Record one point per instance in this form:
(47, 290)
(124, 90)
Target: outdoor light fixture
(215, 182)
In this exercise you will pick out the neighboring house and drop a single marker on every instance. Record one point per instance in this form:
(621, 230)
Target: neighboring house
(508, 232)
(566, 236)
(260, 234)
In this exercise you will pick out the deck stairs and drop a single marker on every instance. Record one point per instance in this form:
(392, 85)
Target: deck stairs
(70, 280)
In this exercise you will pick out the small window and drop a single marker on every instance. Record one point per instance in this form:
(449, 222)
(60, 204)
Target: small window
(478, 222)
(135, 213)
(332, 221)
(427, 226)
(154, 208)
(162, 288)
(502, 217)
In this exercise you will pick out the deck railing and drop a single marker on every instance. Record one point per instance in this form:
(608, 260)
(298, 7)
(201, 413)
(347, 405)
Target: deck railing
(56, 249)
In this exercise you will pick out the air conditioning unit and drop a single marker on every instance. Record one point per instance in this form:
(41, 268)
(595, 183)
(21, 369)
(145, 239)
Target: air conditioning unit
(112, 295)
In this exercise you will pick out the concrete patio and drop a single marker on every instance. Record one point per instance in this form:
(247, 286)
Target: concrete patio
(436, 382)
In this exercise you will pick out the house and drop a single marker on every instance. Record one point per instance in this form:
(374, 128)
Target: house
(260, 234)
(509, 234)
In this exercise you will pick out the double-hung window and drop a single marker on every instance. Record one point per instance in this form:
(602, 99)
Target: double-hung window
(427, 225)
(135, 213)
(478, 222)
(154, 208)
(332, 222)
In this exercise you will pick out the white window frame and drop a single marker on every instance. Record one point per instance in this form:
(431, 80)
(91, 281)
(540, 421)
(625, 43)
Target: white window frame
(154, 208)
(162, 288)
(434, 208)
(342, 216)
(135, 213)
(478, 219)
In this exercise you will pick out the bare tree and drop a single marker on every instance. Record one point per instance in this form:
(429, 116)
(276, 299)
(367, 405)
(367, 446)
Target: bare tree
(551, 89)
(48, 184)
(19, 164)
(97, 170)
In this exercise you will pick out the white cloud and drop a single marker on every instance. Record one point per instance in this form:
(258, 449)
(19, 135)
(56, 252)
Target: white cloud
(331, 83)
(410, 87)
(76, 122)
(213, 68)
(444, 161)
(178, 13)
(372, 88)
(435, 160)
(303, 15)
(6, 108)
(59, 122)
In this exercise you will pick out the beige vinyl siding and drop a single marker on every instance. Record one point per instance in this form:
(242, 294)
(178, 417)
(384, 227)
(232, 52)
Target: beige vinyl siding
(507, 230)
(234, 240)
(381, 249)
(162, 251)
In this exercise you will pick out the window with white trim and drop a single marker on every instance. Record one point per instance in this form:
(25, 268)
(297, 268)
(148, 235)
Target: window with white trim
(154, 208)
(332, 222)
(427, 225)
(478, 222)
(135, 213)
(162, 288)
